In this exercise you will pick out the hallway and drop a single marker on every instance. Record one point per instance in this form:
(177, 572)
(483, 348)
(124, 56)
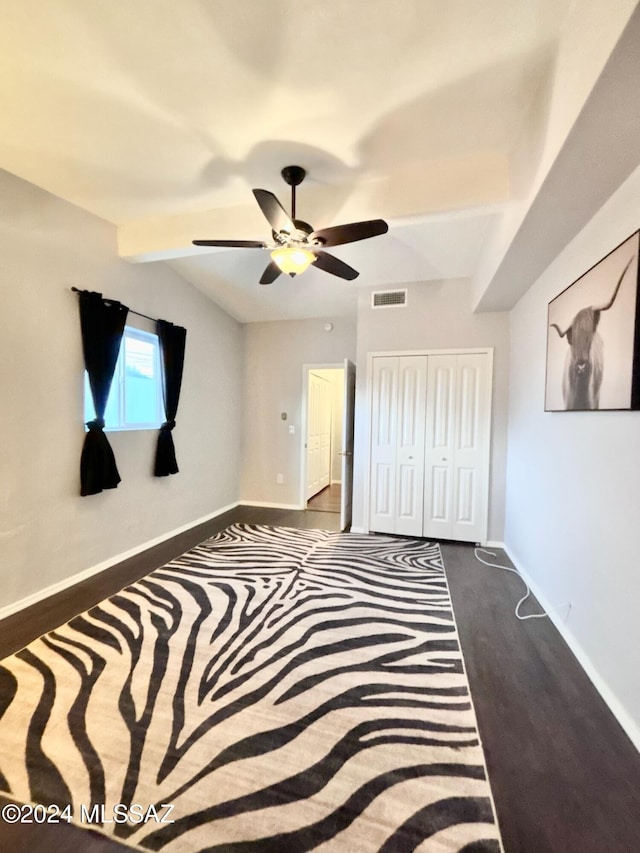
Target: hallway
(328, 500)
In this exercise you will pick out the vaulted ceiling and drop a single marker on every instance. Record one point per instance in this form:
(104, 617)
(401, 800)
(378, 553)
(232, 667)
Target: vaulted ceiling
(161, 116)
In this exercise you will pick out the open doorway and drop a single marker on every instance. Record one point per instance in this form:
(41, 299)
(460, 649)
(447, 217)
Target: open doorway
(327, 446)
(328, 500)
(325, 392)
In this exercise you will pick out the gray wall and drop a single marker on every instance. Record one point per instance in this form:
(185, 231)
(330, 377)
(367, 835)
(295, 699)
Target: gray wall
(437, 316)
(573, 484)
(48, 532)
(275, 353)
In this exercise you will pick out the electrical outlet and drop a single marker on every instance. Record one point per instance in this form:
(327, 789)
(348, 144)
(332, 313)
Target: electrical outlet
(292, 429)
(279, 479)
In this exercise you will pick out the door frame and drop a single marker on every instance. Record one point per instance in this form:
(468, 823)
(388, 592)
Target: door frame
(304, 414)
(348, 443)
(486, 471)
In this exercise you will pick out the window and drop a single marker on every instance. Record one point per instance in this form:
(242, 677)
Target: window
(135, 399)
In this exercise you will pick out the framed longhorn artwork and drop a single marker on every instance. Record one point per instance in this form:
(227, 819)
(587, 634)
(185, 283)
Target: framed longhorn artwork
(593, 337)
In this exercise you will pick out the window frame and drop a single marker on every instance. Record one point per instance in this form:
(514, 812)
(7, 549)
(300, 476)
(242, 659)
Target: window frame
(118, 386)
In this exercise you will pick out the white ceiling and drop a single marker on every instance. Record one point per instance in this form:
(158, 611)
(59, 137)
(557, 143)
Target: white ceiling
(160, 116)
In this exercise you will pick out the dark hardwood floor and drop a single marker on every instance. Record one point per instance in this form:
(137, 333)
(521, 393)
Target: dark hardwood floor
(328, 500)
(565, 777)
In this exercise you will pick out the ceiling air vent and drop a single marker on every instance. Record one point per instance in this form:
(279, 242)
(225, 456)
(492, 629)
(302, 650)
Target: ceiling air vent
(389, 299)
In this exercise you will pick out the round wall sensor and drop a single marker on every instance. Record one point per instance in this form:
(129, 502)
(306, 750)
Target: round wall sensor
(328, 327)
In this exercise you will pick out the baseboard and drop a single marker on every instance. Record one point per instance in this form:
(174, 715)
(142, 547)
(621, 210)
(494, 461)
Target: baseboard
(335, 483)
(270, 505)
(493, 543)
(615, 706)
(357, 529)
(85, 574)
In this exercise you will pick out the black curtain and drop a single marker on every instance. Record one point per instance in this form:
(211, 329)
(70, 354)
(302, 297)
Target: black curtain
(172, 344)
(102, 324)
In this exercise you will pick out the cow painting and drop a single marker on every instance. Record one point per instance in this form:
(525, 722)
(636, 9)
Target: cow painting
(584, 361)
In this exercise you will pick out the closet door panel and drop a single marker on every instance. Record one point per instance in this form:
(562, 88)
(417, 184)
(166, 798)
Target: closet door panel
(439, 446)
(412, 379)
(384, 423)
(466, 494)
(470, 447)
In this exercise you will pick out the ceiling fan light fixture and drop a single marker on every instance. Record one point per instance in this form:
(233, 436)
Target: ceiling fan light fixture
(296, 245)
(292, 260)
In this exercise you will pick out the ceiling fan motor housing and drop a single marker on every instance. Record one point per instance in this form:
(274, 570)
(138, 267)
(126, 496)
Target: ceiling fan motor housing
(303, 229)
(293, 175)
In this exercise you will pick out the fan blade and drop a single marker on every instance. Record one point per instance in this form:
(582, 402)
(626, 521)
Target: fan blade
(329, 263)
(271, 273)
(336, 235)
(276, 215)
(232, 244)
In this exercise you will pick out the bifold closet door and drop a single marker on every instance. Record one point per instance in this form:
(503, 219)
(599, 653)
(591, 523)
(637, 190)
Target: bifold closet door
(455, 502)
(397, 444)
(384, 425)
(412, 381)
(439, 450)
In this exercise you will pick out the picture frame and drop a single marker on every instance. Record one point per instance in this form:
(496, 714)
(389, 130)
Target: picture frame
(593, 337)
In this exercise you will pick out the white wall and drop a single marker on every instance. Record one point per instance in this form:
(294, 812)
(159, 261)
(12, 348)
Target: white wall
(590, 31)
(437, 316)
(275, 353)
(573, 483)
(48, 532)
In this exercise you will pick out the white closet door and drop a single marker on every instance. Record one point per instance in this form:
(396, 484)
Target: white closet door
(430, 445)
(471, 448)
(412, 382)
(457, 447)
(439, 447)
(397, 444)
(384, 422)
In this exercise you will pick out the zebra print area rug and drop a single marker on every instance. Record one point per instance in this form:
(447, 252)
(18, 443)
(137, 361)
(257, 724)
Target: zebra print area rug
(284, 690)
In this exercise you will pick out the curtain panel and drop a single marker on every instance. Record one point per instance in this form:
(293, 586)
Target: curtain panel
(172, 346)
(102, 325)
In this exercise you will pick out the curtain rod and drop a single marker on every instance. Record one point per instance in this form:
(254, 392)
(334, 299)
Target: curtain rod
(131, 311)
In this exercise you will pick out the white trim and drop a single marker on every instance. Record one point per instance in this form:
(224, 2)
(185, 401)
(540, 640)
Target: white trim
(615, 706)
(454, 351)
(119, 383)
(336, 483)
(85, 574)
(270, 505)
(358, 530)
(491, 543)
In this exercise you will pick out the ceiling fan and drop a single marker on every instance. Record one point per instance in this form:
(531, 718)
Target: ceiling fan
(295, 244)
